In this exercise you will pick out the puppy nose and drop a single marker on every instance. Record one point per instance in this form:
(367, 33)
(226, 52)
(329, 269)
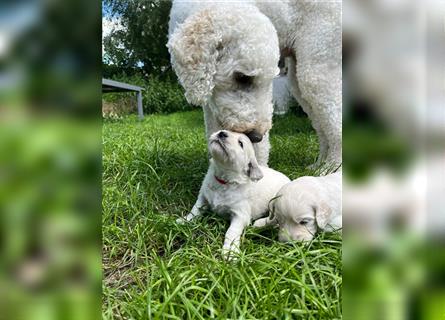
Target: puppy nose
(222, 135)
(254, 136)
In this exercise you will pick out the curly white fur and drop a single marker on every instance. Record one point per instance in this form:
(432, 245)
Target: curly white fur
(211, 41)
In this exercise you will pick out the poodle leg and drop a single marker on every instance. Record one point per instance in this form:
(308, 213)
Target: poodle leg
(322, 142)
(328, 119)
(320, 88)
(325, 99)
(334, 154)
(322, 139)
(318, 53)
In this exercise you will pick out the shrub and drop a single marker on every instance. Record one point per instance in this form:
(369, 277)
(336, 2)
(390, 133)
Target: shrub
(159, 96)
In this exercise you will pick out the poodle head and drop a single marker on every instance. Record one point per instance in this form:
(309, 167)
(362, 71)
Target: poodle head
(226, 59)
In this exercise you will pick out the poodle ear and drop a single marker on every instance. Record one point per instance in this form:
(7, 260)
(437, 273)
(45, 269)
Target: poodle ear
(254, 172)
(322, 215)
(194, 49)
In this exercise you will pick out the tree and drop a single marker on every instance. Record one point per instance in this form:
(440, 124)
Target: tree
(140, 44)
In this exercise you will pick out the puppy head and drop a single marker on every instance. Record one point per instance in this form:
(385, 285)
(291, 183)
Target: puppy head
(298, 217)
(226, 59)
(234, 152)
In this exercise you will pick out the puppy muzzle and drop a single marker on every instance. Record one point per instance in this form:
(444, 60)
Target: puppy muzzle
(222, 135)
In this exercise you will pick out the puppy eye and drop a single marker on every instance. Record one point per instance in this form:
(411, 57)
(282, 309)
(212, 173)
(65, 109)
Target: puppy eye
(243, 80)
(304, 222)
(241, 144)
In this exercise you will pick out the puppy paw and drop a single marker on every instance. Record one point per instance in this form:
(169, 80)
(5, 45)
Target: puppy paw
(264, 222)
(260, 223)
(230, 254)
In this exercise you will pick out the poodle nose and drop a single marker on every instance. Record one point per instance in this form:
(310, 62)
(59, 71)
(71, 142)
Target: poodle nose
(254, 136)
(222, 135)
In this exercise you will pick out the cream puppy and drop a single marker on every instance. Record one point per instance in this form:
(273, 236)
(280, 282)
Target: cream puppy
(304, 205)
(235, 186)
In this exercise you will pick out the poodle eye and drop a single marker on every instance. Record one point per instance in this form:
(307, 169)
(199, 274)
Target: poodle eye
(241, 144)
(304, 222)
(243, 80)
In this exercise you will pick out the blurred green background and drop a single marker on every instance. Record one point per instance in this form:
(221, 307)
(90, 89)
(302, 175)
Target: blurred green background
(50, 163)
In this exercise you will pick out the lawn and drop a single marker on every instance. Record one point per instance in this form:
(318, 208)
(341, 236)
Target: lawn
(155, 268)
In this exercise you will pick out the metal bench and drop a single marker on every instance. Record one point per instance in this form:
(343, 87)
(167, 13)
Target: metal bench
(116, 86)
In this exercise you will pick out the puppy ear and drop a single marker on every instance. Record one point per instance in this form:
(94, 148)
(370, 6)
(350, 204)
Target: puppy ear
(271, 206)
(254, 171)
(271, 210)
(322, 215)
(194, 49)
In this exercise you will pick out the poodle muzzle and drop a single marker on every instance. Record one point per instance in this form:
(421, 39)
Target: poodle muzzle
(254, 136)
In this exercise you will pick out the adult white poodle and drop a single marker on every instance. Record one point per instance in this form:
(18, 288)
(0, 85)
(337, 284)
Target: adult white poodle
(225, 54)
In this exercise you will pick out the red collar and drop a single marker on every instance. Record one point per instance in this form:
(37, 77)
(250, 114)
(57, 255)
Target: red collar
(220, 180)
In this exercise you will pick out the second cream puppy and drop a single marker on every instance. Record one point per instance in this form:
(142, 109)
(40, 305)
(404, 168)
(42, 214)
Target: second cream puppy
(306, 205)
(235, 186)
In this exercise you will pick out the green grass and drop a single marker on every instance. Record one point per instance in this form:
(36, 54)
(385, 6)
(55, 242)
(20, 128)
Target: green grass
(155, 268)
